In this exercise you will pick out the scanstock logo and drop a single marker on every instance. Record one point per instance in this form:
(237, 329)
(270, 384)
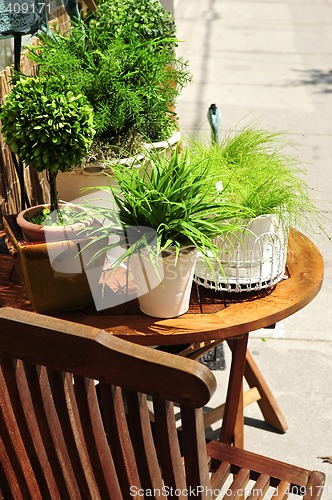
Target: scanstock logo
(97, 249)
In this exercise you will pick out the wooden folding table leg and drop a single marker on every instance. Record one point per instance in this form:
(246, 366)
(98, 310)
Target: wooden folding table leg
(267, 403)
(233, 414)
(239, 424)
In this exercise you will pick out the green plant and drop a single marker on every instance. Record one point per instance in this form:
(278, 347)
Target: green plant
(260, 175)
(176, 198)
(147, 18)
(48, 124)
(131, 80)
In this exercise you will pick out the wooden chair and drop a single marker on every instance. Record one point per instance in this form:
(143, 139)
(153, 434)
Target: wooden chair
(65, 436)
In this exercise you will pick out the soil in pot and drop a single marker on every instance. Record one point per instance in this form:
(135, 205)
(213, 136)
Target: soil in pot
(52, 231)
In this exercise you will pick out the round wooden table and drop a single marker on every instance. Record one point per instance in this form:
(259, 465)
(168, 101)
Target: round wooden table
(213, 317)
(218, 315)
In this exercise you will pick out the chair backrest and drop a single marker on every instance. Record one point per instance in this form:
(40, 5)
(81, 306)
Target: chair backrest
(76, 421)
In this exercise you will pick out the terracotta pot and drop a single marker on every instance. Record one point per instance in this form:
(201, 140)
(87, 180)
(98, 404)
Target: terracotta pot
(58, 275)
(36, 232)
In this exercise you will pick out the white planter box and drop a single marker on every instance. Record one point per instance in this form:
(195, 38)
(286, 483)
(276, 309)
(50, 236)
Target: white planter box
(251, 260)
(71, 183)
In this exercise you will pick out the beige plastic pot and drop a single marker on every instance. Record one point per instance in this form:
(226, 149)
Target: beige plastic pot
(164, 287)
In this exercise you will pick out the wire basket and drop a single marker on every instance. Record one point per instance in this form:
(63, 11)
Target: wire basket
(253, 259)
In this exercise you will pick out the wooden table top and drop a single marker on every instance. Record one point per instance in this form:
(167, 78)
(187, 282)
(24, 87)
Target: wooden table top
(215, 316)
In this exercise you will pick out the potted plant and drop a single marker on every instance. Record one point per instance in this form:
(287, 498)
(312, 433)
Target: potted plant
(49, 125)
(127, 67)
(269, 182)
(149, 19)
(153, 29)
(162, 216)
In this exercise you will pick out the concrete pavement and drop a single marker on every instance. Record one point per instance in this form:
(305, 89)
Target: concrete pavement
(270, 63)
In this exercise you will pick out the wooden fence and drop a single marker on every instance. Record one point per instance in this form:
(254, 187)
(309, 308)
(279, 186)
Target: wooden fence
(36, 189)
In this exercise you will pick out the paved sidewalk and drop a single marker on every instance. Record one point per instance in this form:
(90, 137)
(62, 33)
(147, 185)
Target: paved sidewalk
(270, 63)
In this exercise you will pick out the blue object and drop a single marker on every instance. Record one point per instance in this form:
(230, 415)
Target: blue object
(28, 16)
(72, 9)
(213, 116)
(21, 18)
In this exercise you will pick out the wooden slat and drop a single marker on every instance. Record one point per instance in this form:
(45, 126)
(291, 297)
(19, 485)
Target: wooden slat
(64, 398)
(236, 490)
(9, 485)
(220, 476)
(96, 442)
(260, 488)
(114, 416)
(38, 456)
(51, 431)
(258, 464)
(194, 451)
(168, 446)
(282, 491)
(21, 480)
(143, 443)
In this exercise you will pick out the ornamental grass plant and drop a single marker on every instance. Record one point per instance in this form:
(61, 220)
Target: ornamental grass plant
(255, 170)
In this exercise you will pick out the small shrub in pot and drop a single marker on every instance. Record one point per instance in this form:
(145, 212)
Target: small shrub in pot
(49, 124)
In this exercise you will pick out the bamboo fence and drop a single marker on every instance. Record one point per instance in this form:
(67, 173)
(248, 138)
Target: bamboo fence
(36, 189)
